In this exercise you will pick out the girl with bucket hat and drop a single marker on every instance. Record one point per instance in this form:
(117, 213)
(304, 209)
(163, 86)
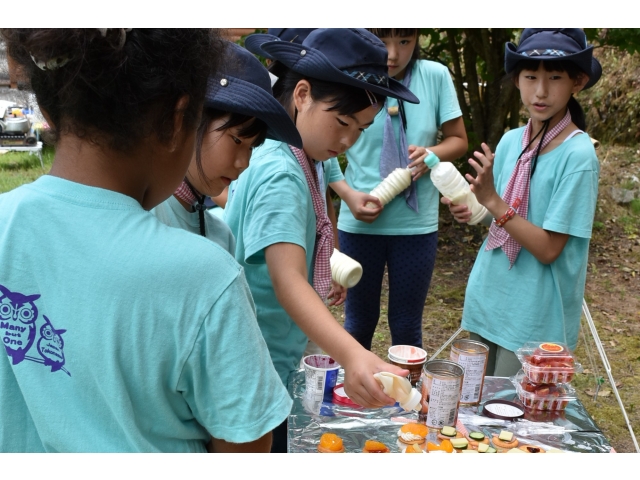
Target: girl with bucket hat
(239, 113)
(332, 85)
(133, 336)
(405, 235)
(540, 187)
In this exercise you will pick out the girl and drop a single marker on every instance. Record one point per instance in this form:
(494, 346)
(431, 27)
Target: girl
(528, 281)
(112, 342)
(332, 85)
(404, 236)
(240, 112)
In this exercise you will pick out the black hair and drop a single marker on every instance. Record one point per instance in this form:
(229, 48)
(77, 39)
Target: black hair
(577, 114)
(117, 86)
(345, 99)
(400, 32)
(253, 128)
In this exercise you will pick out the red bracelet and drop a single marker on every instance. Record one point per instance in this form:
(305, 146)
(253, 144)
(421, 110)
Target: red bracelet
(508, 215)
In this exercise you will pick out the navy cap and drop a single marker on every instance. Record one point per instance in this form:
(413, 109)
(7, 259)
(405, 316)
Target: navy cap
(243, 86)
(559, 44)
(351, 56)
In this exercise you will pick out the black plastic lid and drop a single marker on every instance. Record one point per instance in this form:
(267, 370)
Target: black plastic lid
(502, 410)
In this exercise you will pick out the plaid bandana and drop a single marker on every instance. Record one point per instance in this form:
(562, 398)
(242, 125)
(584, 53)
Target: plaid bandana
(324, 230)
(518, 188)
(185, 194)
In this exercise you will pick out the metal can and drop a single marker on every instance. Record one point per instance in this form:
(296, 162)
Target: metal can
(472, 356)
(441, 386)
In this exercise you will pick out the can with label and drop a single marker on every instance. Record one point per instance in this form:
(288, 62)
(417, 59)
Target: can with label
(472, 356)
(441, 386)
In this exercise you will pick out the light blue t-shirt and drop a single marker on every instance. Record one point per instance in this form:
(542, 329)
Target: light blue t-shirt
(123, 334)
(328, 172)
(432, 84)
(532, 301)
(172, 213)
(270, 203)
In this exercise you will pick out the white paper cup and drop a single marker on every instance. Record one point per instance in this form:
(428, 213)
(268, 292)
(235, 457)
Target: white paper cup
(321, 375)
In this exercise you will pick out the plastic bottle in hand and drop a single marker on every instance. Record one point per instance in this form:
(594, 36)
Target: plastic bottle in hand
(396, 182)
(345, 270)
(452, 185)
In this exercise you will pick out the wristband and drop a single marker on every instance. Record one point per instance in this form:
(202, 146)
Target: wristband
(508, 215)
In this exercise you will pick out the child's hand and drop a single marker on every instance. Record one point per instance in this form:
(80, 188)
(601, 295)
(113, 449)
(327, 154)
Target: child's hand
(417, 156)
(359, 383)
(461, 213)
(357, 203)
(482, 186)
(337, 294)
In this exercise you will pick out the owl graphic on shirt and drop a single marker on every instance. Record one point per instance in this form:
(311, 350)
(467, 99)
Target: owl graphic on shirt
(18, 315)
(51, 345)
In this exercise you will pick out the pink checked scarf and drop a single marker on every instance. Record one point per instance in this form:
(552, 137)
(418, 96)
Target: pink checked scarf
(324, 230)
(518, 188)
(185, 194)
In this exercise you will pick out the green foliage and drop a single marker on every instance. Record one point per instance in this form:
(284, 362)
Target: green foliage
(635, 206)
(612, 106)
(627, 39)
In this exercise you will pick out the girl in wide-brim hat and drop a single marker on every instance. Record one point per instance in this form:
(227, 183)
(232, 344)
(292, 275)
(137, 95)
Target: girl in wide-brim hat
(239, 113)
(332, 85)
(540, 188)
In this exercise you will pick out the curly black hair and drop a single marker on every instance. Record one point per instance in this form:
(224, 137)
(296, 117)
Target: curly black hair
(116, 86)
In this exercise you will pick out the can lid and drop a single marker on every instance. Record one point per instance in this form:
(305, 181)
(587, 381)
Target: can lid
(340, 397)
(502, 409)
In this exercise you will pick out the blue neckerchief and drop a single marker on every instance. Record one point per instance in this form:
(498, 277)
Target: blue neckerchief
(390, 157)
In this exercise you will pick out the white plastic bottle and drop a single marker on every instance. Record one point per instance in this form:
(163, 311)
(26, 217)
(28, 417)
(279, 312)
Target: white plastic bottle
(345, 270)
(396, 182)
(452, 185)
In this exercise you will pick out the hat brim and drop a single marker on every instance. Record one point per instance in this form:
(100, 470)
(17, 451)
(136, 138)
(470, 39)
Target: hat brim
(240, 96)
(254, 42)
(583, 60)
(315, 64)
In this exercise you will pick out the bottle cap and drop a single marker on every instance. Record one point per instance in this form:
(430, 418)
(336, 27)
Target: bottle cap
(431, 159)
(413, 402)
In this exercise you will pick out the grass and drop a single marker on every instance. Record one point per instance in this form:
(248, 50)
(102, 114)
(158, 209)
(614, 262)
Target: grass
(18, 168)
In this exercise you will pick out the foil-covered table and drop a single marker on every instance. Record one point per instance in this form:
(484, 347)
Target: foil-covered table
(572, 430)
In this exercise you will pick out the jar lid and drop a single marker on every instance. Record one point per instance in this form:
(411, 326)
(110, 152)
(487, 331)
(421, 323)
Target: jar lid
(502, 409)
(340, 397)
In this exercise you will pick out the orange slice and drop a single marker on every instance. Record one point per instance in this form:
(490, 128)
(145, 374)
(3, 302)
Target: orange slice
(330, 442)
(415, 429)
(444, 446)
(372, 446)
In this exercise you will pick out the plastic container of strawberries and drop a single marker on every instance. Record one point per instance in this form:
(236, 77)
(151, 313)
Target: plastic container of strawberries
(548, 362)
(543, 396)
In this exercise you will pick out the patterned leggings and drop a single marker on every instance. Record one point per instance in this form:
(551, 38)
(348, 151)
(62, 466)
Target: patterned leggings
(410, 260)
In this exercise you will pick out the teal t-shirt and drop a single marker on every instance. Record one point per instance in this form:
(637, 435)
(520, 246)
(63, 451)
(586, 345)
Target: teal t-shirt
(123, 334)
(172, 213)
(270, 203)
(533, 301)
(432, 84)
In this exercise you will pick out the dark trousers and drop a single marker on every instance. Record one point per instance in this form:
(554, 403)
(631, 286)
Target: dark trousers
(409, 260)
